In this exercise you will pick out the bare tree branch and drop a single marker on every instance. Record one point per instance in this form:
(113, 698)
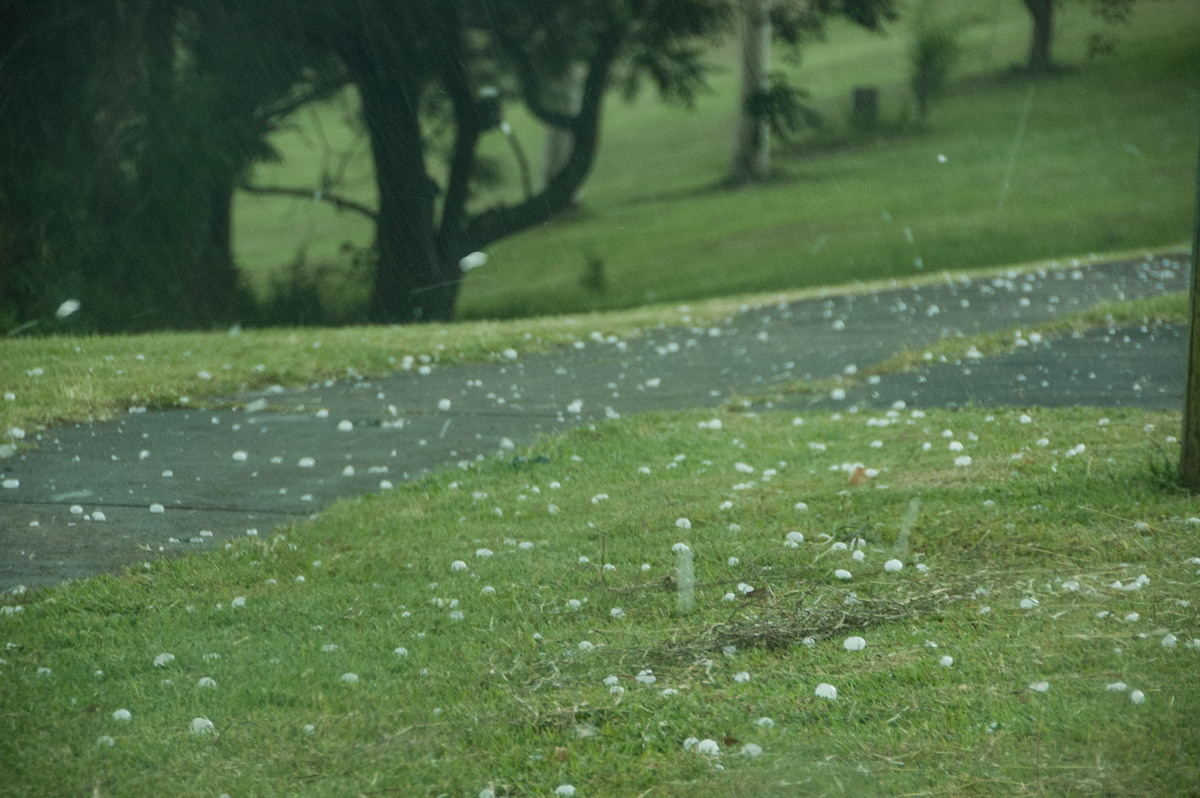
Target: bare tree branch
(341, 203)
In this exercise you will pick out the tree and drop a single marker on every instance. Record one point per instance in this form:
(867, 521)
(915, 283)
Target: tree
(414, 60)
(124, 125)
(752, 145)
(1041, 41)
(767, 102)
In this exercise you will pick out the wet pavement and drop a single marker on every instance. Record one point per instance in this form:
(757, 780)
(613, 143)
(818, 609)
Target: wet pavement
(92, 498)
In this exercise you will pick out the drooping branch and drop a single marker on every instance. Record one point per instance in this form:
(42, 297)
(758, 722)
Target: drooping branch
(501, 221)
(527, 77)
(341, 203)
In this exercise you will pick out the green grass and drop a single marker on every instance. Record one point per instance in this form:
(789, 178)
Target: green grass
(1104, 159)
(506, 698)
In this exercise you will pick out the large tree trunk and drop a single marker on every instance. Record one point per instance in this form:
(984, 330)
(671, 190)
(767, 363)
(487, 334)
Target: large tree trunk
(1042, 40)
(413, 279)
(214, 282)
(752, 144)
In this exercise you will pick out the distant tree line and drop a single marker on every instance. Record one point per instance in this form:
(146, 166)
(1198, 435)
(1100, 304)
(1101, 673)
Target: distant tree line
(127, 126)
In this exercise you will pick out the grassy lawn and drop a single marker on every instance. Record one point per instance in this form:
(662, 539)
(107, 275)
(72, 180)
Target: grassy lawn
(530, 624)
(1099, 158)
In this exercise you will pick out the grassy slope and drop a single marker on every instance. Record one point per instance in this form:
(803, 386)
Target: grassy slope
(506, 697)
(1105, 161)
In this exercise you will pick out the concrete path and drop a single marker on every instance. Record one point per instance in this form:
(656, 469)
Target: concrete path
(96, 497)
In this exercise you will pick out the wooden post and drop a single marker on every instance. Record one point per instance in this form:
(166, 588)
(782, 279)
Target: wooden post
(864, 107)
(1189, 464)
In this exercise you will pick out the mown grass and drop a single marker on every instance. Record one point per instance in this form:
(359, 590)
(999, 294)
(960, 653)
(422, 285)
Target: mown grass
(1095, 159)
(504, 697)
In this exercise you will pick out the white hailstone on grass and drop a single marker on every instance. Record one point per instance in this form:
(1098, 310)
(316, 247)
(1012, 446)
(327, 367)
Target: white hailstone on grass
(575, 605)
(456, 615)
(1024, 418)
(487, 590)
(1137, 697)
(583, 560)
(893, 565)
(962, 461)
(329, 648)
(208, 682)
(400, 651)
(946, 661)
(745, 589)
(708, 748)
(586, 645)
(1116, 687)
(1071, 585)
(487, 792)
(525, 545)
(751, 750)
(793, 539)
(202, 726)
(741, 677)
(1028, 603)
(565, 790)
(483, 552)
(1039, 687)
(680, 547)
(472, 260)
(670, 691)
(105, 741)
(765, 723)
(825, 690)
(1132, 617)
(163, 660)
(350, 678)
(854, 643)
(617, 612)
(683, 523)
(1169, 641)
(458, 565)
(956, 446)
(842, 573)
(729, 597)
(238, 601)
(123, 715)
(646, 677)
(732, 561)
(859, 555)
